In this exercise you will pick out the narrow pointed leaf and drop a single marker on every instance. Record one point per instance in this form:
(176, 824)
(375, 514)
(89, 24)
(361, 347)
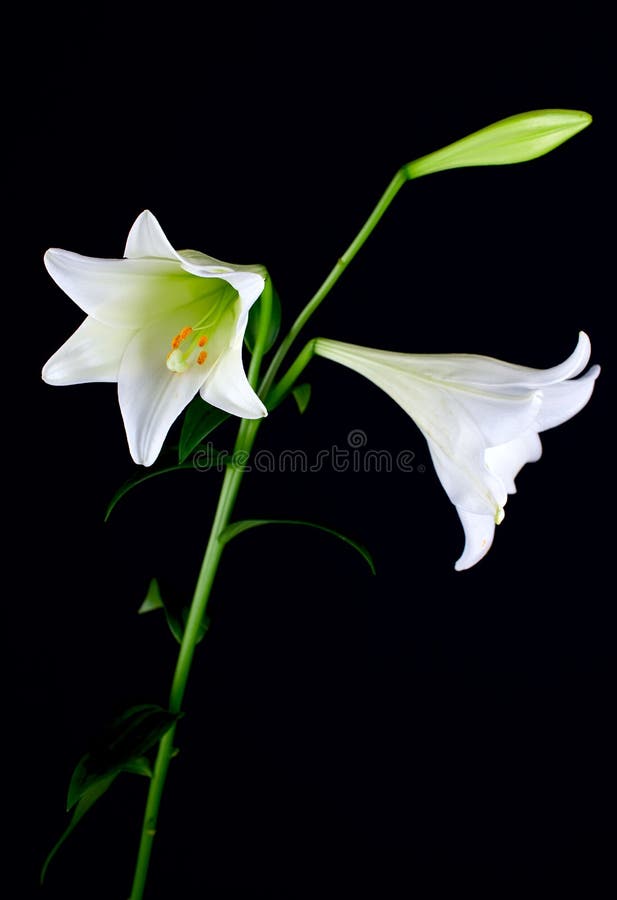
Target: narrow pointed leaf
(140, 478)
(86, 802)
(238, 527)
(203, 627)
(139, 766)
(250, 335)
(200, 420)
(120, 749)
(177, 625)
(302, 395)
(176, 618)
(153, 599)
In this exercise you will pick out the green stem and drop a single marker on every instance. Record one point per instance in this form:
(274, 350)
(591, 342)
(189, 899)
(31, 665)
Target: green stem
(229, 492)
(382, 205)
(282, 388)
(262, 332)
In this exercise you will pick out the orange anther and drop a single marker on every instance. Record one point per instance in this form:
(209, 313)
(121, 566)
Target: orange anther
(203, 340)
(202, 358)
(180, 337)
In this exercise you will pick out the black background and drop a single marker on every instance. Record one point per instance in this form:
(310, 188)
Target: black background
(341, 731)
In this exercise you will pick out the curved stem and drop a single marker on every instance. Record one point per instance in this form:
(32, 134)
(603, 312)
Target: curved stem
(282, 388)
(229, 491)
(262, 332)
(383, 203)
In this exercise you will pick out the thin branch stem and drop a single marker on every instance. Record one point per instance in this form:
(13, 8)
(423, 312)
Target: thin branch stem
(229, 492)
(282, 388)
(367, 229)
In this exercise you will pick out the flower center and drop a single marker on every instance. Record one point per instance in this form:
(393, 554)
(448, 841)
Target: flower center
(187, 349)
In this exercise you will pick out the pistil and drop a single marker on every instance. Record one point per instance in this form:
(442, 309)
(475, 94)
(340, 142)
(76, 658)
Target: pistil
(178, 361)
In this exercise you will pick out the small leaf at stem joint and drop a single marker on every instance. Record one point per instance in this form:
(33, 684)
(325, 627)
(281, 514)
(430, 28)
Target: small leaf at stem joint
(302, 395)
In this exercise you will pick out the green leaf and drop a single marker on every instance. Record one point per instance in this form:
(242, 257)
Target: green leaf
(200, 420)
(176, 617)
(302, 395)
(139, 766)
(250, 335)
(88, 799)
(238, 527)
(201, 632)
(153, 599)
(121, 748)
(139, 479)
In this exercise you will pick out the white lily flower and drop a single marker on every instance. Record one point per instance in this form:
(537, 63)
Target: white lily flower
(162, 323)
(480, 416)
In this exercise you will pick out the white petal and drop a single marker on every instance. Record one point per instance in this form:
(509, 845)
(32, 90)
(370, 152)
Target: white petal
(92, 353)
(249, 285)
(463, 368)
(151, 397)
(459, 425)
(126, 293)
(562, 401)
(435, 404)
(467, 481)
(499, 417)
(147, 238)
(210, 265)
(506, 460)
(227, 386)
(489, 372)
(479, 533)
(198, 259)
(575, 363)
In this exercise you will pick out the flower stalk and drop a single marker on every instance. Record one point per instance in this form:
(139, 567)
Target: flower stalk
(227, 498)
(324, 289)
(229, 492)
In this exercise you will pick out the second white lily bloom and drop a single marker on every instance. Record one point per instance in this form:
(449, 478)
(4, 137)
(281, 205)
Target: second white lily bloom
(480, 416)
